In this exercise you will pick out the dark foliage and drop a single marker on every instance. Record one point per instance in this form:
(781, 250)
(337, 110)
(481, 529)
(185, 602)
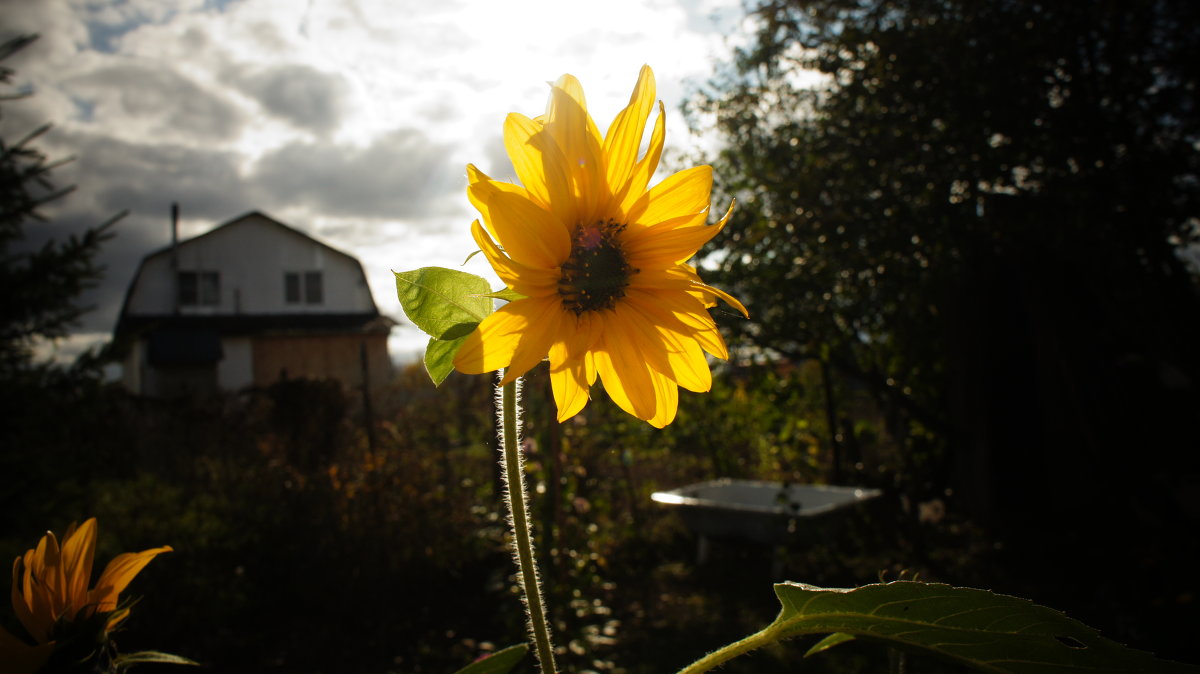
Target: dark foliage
(39, 301)
(984, 213)
(302, 546)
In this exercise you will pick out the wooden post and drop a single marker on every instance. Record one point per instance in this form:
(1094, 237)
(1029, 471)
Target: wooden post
(368, 417)
(832, 420)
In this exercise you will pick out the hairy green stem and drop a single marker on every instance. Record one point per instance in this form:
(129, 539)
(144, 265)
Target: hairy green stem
(514, 484)
(720, 657)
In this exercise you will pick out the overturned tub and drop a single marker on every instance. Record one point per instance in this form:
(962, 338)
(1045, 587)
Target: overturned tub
(768, 513)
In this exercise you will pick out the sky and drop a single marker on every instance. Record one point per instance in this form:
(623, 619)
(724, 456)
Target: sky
(351, 120)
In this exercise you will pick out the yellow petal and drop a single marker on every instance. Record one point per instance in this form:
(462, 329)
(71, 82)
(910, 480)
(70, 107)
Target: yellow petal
(22, 592)
(688, 363)
(478, 196)
(490, 347)
(545, 326)
(589, 367)
(612, 384)
(79, 548)
(568, 381)
(712, 342)
(732, 301)
(681, 357)
(624, 372)
(683, 193)
(573, 130)
(685, 314)
(624, 137)
(681, 277)
(42, 614)
(46, 557)
(676, 277)
(669, 243)
(49, 579)
(674, 308)
(115, 618)
(529, 234)
(673, 241)
(528, 281)
(650, 345)
(646, 167)
(581, 334)
(474, 175)
(117, 575)
(666, 396)
(539, 164)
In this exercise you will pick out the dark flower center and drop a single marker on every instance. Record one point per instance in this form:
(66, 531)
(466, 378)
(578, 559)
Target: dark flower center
(596, 274)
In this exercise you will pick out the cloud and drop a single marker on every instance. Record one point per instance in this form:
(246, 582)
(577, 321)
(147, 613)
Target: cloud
(60, 28)
(159, 102)
(307, 98)
(401, 175)
(350, 119)
(114, 174)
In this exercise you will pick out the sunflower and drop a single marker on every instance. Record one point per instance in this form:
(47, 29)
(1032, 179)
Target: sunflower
(600, 260)
(50, 593)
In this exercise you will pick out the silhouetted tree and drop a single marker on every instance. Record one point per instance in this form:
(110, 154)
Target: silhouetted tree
(41, 286)
(978, 194)
(984, 213)
(46, 451)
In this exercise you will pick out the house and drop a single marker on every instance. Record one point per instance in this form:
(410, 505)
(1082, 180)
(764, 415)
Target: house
(248, 303)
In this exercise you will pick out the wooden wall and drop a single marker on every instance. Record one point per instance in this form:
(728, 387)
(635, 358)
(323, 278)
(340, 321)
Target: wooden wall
(321, 357)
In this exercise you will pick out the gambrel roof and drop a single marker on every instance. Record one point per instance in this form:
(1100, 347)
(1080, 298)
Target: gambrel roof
(365, 318)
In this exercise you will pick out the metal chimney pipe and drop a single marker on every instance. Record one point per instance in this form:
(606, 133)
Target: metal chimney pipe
(175, 256)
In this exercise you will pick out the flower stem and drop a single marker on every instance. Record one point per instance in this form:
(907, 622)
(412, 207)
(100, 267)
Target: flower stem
(723, 655)
(514, 484)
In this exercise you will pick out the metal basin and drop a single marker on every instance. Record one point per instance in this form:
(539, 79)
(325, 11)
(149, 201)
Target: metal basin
(770, 513)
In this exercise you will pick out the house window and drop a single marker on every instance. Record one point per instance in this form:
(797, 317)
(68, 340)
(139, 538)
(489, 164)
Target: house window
(291, 287)
(303, 287)
(313, 292)
(199, 288)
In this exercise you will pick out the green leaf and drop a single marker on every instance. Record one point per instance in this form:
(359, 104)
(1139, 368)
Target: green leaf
(506, 294)
(990, 632)
(445, 303)
(142, 657)
(499, 662)
(439, 358)
(829, 642)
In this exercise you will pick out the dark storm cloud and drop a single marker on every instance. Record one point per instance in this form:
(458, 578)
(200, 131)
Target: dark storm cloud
(142, 178)
(303, 96)
(133, 237)
(402, 174)
(161, 101)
